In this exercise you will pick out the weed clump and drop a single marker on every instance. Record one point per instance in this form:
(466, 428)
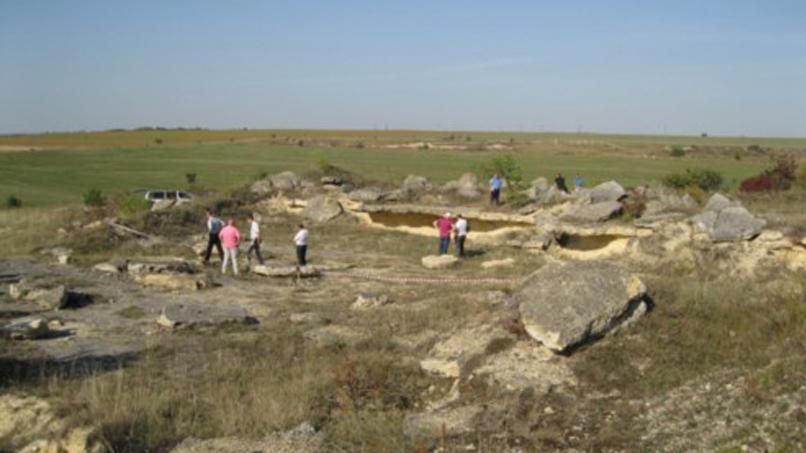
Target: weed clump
(705, 179)
(94, 198)
(13, 202)
(780, 176)
(677, 151)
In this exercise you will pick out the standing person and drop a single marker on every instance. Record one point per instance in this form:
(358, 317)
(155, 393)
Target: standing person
(214, 226)
(230, 238)
(445, 227)
(578, 183)
(560, 182)
(495, 189)
(254, 238)
(461, 228)
(301, 241)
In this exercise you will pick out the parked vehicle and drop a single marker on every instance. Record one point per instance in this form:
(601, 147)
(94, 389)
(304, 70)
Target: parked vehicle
(161, 194)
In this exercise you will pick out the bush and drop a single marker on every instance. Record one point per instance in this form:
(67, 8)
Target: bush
(13, 202)
(158, 141)
(132, 204)
(94, 198)
(190, 178)
(677, 151)
(780, 176)
(706, 180)
(508, 169)
(262, 174)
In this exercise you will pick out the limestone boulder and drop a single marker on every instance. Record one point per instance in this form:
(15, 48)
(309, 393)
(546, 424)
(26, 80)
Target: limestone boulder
(596, 212)
(566, 304)
(717, 203)
(174, 282)
(439, 261)
(458, 352)
(366, 194)
(302, 439)
(607, 191)
(526, 365)
(414, 184)
(538, 188)
(59, 297)
(322, 208)
(736, 224)
(440, 423)
(467, 186)
(283, 181)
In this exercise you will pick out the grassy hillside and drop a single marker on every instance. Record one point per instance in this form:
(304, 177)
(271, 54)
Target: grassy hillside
(55, 177)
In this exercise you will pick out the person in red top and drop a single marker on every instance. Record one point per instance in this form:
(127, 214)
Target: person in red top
(230, 239)
(445, 226)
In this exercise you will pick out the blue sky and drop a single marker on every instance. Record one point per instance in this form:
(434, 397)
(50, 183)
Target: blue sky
(723, 67)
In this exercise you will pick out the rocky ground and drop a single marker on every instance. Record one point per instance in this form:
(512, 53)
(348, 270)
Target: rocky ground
(676, 326)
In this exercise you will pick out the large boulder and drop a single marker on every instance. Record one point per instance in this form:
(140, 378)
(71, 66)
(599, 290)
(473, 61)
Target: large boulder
(414, 184)
(718, 202)
(367, 194)
(538, 188)
(322, 208)
(566, 304)
(468, 186)
(607, 191)
(736, 224)
(439, 261)
(596, 212)
(553, 195)
(282, 181)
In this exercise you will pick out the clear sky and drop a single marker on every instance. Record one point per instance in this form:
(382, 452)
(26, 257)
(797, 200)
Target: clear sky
(725, 67)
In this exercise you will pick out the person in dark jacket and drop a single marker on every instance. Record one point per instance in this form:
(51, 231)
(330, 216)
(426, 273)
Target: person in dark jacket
(560, 182)
(214, 226)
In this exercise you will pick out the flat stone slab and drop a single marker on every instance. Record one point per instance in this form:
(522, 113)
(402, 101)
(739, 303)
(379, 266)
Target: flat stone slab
(287, 271)
(439, 261)
(527, 365)
(192, 315)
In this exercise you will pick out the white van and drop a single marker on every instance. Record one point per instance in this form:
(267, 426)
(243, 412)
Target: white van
(160, 195)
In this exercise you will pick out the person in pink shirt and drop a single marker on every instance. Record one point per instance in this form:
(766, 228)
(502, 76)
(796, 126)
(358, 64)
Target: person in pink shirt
(230, 239)
(445, 226)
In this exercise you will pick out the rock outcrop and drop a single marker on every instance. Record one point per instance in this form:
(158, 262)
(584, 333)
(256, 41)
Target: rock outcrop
(607, 191)
(322, 208)
(727, 221)
(565, 304)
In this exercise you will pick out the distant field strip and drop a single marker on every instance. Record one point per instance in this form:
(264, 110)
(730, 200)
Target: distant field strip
(48, 178)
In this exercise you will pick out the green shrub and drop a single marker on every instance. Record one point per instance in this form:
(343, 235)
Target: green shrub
(262, 174)
(13, 202)
(94, 198)
(705, 179)
(677, 151)
(505, 167)
(190, 178)
(132, 204)
(158, 141)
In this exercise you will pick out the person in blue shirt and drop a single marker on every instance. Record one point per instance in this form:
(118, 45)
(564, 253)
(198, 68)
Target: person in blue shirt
(495, 189)
(578, 183)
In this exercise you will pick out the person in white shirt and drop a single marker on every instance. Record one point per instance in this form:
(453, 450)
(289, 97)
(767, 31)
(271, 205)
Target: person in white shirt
(301, 241)
(254, 238)
(461, 228)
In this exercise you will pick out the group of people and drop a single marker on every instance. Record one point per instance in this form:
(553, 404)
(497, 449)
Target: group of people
(226, 238)
(496, 183)
(448, 226)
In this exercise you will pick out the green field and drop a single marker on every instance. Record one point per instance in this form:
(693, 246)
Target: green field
(152, 137)
(58, 177)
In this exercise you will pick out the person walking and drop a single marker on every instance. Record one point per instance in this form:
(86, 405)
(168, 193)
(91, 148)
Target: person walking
(495, 189)
(445, 227)
(461, 226)
(214, 226)
(301, 241)
(254, 238)
(560, 182)
(230, 239)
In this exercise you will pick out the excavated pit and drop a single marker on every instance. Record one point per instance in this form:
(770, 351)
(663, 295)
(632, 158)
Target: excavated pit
(587, 243)
(420, 220)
